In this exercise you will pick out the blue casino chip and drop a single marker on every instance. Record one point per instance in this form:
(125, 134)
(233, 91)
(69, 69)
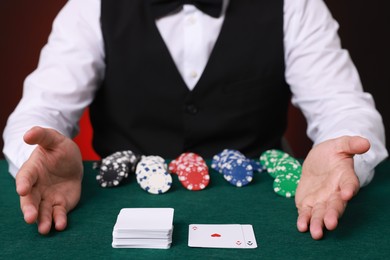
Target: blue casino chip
(257, 166)
(225, 157)
(238, 172)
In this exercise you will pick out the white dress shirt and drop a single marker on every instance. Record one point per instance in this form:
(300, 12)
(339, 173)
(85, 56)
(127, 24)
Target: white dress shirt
(324, 82)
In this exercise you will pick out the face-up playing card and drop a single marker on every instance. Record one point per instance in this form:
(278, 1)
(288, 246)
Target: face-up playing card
(221, 236)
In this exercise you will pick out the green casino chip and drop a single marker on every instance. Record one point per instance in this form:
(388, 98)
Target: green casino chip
(287, 167)
(278, 162)
(286, 185)
(270, 157)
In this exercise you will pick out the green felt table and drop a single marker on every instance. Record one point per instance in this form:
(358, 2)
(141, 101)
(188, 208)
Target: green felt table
(364, 231)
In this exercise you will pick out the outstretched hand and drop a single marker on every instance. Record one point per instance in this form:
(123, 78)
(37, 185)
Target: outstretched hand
(327, 183)
(49, 182)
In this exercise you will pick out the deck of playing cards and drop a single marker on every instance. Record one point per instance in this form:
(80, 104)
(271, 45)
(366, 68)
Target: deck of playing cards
(143, 228)
(222, 236)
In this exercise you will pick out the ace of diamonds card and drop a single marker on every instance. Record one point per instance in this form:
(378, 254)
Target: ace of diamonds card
(221, 236)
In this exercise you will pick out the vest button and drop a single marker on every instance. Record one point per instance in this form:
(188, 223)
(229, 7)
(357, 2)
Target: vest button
(191, 109)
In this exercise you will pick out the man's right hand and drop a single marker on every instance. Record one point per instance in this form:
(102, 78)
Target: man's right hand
(49, 182)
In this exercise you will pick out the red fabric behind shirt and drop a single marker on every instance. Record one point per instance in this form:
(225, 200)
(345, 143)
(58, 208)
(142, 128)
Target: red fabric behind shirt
(84, 138)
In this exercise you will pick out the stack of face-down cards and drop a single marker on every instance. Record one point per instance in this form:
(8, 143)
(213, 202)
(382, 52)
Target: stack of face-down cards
(143, 228)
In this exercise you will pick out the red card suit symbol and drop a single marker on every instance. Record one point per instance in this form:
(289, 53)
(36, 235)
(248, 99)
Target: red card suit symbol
(238, 242)
(194, 228)
(215, 235)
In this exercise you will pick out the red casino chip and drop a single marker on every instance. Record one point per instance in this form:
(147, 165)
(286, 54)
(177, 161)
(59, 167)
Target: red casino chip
(173, 166)
(189, 157)
(193, 176)
(185, 158)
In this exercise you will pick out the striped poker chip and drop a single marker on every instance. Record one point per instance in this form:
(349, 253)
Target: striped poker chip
(131, 158)
(286, 185)
(193, 176)
(154, 159)
(257, 166)
(235, 167)
(189, 157)
(152, 176)
(123, 156)
(185, 158)
(114, 168)
(215, 161)
(220, 160)
(144, 168)
(172, 166)
(269, 158)
(287, 167)
(111, 176)
(278, 162)
(187, 166)
(239, 172)
(156, 183)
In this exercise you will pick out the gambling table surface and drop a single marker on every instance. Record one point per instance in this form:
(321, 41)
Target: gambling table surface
(363, 233)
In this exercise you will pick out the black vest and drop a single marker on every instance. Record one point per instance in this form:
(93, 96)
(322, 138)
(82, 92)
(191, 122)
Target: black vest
(240, 101)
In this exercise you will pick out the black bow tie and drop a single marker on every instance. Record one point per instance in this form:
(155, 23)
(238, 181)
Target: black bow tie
(161, 8)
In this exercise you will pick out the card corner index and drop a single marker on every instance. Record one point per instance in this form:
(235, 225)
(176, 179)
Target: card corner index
(249, 236)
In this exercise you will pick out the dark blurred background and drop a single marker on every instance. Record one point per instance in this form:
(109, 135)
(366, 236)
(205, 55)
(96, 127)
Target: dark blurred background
(364, 31)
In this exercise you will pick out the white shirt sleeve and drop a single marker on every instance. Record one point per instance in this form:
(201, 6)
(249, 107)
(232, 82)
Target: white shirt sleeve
(323, 80)
(70, 68)
(325, 83)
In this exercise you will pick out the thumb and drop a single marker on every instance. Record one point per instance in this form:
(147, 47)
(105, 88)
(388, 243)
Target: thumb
(349, 183)
(45, 137)
(355, 145)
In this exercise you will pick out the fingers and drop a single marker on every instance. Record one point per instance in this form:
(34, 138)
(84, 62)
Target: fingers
(46, 214)
(29, 198)
(349, 188)
(320, 216)
(26, 178)
(60, 218)
(49, 214)
(304, 219)
(317, 220)
(45, 217)
(335, 209)
(29, 205)
(349, 185)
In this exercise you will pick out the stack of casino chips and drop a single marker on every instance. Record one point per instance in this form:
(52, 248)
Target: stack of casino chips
(191, 170)
(152, 175)
(114, 168)
(235, 167)
(285, 169)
